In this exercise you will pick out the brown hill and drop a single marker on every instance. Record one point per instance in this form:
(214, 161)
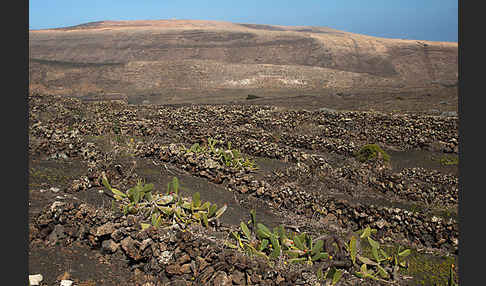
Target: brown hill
(182, 61)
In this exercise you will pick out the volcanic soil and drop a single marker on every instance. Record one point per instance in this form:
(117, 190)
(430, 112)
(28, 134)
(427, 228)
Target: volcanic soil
(308, 180)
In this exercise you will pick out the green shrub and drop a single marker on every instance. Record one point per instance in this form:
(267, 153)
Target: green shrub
(251, 96)
(449, 160)
(371, 151)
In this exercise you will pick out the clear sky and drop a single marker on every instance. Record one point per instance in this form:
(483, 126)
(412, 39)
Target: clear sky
(433, 20)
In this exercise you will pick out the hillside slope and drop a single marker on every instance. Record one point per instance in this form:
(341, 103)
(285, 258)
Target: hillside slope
(190, 61)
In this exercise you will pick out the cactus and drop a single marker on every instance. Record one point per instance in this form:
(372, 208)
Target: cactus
(301, 248)
(218, 213)
(229, 157)
(297, 260)
(262, 231)
(212, 210)
(276, 247)
(365, 273)
(263, 244)
(211, 143)
(196, 200)
(116, 193)
(165, 209)
(195, 148)
(205, 220)
(253, 217)
(380, 257)
(258, 240)
(245, 230)
(173, 187)
(451, 281)
(332, 275)
(336, 277)
(139, 192)
(352, 249)
(156, 219)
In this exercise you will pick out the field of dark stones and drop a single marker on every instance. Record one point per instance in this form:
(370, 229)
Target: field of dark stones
(297, 205)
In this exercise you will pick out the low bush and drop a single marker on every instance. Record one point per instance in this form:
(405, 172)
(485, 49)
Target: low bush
(449, 160)
(371, 151)
(252, 96)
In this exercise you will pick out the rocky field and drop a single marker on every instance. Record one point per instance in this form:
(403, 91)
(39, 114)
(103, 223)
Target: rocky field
(297, 169)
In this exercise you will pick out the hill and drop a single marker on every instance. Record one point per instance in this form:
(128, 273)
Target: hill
(192, 61)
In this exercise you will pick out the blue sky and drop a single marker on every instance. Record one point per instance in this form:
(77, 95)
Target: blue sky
(433, 20)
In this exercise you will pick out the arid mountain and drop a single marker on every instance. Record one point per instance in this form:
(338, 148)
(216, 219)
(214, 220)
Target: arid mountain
(182, 61)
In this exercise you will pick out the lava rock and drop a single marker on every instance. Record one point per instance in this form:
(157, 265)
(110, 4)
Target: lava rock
(221, 279)
(109, 246)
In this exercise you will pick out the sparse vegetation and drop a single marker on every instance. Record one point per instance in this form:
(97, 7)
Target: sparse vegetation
(251, 96)
(302, 249)
(376, 267)
(306, 183)
(448, 160)
(47, 176)
(164, 210)
(229, 157)
(331, 276)
(259, 240)
(429, 270)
